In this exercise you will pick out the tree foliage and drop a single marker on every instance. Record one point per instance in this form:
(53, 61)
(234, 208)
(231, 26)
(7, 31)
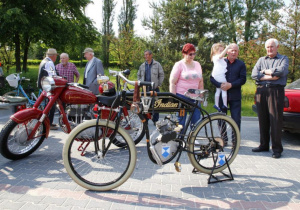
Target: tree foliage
(127, 16)
(286, 27)
(126, 49)
(107, 28)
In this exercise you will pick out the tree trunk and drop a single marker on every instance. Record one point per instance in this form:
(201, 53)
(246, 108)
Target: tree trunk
(26, 49)
(18, 52)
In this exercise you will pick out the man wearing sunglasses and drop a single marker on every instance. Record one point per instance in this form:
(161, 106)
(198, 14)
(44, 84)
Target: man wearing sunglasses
(151, 71)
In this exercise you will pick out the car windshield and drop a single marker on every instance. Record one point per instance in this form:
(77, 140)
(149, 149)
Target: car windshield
(294, 85)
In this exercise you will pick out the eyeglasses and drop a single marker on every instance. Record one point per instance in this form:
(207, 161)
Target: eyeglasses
(192, 54)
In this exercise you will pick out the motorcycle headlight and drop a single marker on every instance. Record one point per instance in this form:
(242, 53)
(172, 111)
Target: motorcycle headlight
(47, 83)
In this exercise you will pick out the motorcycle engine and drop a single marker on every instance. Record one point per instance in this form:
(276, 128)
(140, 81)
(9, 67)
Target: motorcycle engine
(76, 114)
(163, 139)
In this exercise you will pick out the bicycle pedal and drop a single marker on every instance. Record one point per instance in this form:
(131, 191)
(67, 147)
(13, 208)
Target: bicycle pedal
(177, 166)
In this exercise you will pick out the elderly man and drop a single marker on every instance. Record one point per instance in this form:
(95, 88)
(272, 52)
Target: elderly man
(46, 69)
(67, 69)
(236, 77)
(92, 69)
(270, 73)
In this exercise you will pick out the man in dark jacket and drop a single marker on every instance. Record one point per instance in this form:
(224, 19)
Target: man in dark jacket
(236, 77)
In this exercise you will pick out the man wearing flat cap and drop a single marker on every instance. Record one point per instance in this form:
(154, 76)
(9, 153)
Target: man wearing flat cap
(92, 69)
(46, 69)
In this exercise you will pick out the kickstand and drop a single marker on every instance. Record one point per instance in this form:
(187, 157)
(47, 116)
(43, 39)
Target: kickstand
(228, 177)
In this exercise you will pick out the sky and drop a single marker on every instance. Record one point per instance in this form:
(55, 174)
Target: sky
(94, 11)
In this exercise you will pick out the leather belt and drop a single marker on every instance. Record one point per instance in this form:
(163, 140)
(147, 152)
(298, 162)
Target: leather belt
(270, 86)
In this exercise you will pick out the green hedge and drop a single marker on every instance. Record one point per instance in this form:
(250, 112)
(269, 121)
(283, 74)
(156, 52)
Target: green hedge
(77, 63)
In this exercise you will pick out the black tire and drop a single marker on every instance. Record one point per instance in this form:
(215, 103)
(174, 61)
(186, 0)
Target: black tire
(136, 129)
(13, 139)
(200, 142)
(93, 172)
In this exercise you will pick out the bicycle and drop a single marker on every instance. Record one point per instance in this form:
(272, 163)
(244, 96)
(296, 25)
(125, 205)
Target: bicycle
(15, 81)
(104, 166)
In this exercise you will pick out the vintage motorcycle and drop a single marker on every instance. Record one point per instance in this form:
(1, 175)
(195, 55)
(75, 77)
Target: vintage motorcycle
(100, 165)
(26, 129)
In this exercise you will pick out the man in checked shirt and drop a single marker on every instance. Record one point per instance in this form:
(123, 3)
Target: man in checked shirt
(67, 69)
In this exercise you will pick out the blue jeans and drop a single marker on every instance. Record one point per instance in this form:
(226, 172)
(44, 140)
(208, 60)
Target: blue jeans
(196, 116)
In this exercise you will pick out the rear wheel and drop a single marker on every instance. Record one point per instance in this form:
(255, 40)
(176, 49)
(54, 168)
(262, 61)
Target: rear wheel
(14, 142)
(133, 126)
(227, 140)
(100, 172)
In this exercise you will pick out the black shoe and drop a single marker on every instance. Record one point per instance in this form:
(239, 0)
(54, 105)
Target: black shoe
(217, 108)
(276, 155)
(53, 127)
(258, 149)
(224, 109)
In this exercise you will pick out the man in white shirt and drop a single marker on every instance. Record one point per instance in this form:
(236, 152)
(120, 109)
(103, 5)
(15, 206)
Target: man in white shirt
(46, 69)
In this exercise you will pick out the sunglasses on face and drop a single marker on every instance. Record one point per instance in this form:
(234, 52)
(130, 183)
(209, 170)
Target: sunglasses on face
(192, 54)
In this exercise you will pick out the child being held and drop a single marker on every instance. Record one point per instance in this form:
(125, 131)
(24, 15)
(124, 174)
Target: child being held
(218, 51)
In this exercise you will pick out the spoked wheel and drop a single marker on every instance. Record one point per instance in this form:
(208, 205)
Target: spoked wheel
(226, 137)
(102, 171)
(14, 142)
(133, 126)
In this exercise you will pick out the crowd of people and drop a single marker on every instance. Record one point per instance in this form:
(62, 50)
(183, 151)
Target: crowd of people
(228, 75)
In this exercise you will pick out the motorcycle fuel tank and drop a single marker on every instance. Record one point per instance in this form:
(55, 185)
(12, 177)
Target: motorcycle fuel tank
(75, 95)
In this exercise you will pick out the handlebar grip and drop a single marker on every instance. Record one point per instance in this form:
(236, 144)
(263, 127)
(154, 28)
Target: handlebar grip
(146, 83)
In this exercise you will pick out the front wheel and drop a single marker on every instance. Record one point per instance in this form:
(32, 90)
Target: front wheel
(100, 172)
(14, 142)
(226, 137)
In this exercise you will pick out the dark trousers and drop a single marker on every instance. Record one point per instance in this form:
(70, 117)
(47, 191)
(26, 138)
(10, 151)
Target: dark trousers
(235, 107)
(155, 117)
(270, 103)
(51, 112)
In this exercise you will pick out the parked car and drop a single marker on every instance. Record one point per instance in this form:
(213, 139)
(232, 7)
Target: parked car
(291, 111)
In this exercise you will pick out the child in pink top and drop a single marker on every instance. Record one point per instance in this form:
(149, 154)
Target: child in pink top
(187, 74)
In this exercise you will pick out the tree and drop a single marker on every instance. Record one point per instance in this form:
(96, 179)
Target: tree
(6, 55)
(287, 30)
(127, 16)
(56, 23)
(126, 49)
(241, 20)
(175, 23)
(107, 28)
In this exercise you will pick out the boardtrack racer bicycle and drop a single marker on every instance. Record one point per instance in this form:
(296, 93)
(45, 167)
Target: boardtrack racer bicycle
(101, 165)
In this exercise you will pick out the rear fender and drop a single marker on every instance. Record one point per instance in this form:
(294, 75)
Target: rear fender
(29, 114)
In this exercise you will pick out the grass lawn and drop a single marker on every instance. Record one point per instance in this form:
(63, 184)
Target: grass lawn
(248, 89)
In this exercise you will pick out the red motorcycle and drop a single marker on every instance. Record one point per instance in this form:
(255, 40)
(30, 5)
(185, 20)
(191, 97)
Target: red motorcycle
(26, 129)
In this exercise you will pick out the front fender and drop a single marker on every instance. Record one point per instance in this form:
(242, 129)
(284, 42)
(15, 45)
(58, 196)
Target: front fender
(29, 114)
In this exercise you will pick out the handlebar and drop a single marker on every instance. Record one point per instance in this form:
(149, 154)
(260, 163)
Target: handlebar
(26, 79)
(120, 74)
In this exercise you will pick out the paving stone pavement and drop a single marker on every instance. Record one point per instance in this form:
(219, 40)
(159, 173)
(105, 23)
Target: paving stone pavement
(260, 182)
